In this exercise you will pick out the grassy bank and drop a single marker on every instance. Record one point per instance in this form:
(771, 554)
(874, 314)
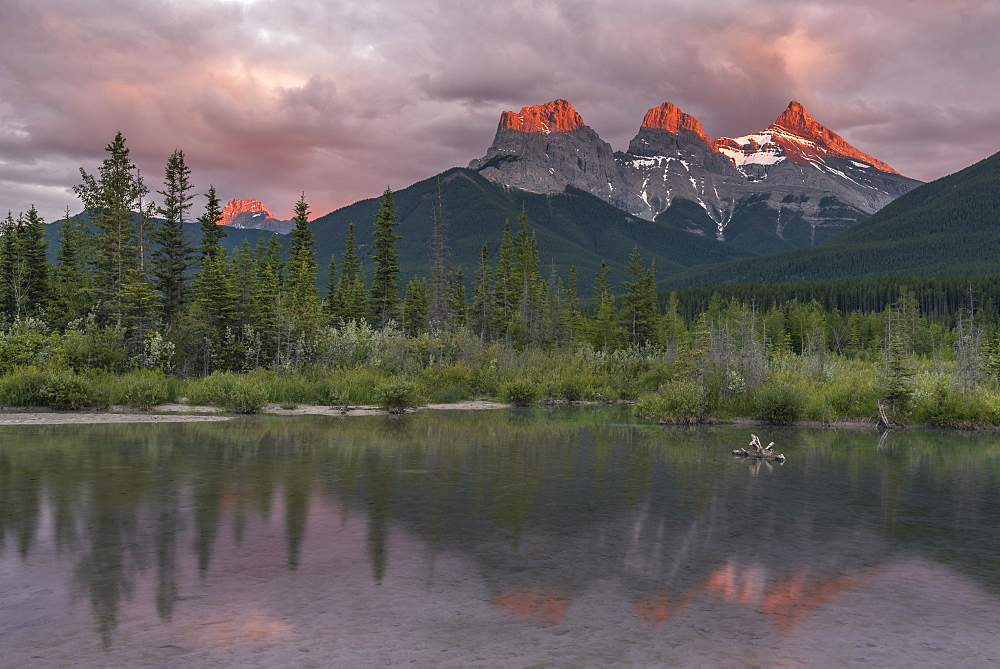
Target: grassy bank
(843, 390)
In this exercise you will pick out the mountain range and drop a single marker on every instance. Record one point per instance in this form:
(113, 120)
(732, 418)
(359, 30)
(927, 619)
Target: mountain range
(793, 184)
(793, 202)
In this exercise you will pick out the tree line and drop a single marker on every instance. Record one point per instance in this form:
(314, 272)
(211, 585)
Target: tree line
(128, 290)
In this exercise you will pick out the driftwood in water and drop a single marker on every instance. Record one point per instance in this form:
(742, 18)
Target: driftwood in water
(758, 451)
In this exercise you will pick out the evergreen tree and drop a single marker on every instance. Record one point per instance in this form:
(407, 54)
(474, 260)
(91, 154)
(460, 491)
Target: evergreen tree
(482, 297)
(114, 201)
(352, 300)
(505, 287)
(456, 299)
(13, 268)
(266, 295)
(35, 249)
(416, 302)
(70, 291)
(530, 289)
(385, 279)
(440, 305)
(212, 233)
(172, 257)
(640, 308)
(604, 329)
(215, 312)
(330, 303)
(571, 317)
(243, 271)
(137, 302)
(302, 299)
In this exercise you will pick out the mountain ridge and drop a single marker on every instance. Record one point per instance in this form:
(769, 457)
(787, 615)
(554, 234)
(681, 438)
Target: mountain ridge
(794, 184)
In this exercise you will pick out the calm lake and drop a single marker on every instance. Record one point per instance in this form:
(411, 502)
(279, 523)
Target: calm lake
(574, 537)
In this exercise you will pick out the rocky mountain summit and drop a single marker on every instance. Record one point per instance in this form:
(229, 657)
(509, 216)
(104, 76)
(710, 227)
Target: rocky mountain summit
(793, 184)
(253, 215)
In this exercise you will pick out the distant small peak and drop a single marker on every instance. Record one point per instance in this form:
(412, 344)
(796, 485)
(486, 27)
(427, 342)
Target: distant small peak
(555, 116)
(237, 207)
(670, 118)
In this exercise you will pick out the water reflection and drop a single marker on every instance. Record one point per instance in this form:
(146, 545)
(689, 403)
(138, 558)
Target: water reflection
(542, 512)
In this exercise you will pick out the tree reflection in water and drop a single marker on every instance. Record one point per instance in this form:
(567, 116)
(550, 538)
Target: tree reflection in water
(543, 507)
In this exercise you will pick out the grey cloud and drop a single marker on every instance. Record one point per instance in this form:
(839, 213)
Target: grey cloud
(338, 99)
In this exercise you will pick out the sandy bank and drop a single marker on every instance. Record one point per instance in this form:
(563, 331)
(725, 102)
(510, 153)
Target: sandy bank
(176, 413)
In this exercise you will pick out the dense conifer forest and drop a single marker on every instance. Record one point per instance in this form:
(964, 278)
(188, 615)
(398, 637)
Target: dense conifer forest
(130, 311)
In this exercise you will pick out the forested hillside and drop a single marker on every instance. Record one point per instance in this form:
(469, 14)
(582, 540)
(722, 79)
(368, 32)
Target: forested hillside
(950, 226)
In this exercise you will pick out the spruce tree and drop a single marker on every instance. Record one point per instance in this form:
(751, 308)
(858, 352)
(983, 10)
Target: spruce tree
(456, 299)
(385, 279)
(303, 301)
(70, 282)
(172, 257)
(216, 307)
(136, 302)
(35, 248)
(640, 307)
(416, 302)
(604, 330)
(506, 286)
(440, 307)
(481, 317)
(212, 233)
(114, 201)
(330, 303)
(351, 297)
(13, 268)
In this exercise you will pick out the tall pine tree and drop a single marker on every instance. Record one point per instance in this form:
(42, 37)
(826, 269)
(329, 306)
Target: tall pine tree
(172, 256)
(114, 201)
(385, 279)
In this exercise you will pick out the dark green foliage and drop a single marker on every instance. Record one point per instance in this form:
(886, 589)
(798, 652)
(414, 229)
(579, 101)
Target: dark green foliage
(212, 233)
(232, 392)
(173, 255)
(520, 392)
(416, 306)
(114, 201)
(70, 278)
(679, 402)
(778, 403)
(384, 301)
(572, 228)
(945, 227)
(302, 300)
(352, 301)
(397, 395)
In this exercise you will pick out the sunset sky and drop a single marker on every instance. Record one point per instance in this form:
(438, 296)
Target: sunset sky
(273, 98)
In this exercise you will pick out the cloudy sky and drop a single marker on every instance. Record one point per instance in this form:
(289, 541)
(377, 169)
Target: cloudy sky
(273, 98)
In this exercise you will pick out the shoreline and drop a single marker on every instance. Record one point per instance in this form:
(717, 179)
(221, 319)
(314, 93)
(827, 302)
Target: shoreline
(193, 413)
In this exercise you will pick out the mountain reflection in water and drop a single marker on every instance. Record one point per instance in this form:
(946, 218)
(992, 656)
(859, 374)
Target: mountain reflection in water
(456, 529)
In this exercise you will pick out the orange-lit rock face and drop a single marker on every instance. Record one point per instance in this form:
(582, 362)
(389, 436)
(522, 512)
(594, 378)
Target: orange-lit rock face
(669, 117)
(238, 207)
(824, 142)
(555, 116)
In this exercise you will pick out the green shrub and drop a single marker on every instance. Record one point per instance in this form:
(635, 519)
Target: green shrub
(397, 394)
(143, 390)
(679, 402)
(22, 387)
(520, 392)
(63, 389)
(779, 403)
(232, 392)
